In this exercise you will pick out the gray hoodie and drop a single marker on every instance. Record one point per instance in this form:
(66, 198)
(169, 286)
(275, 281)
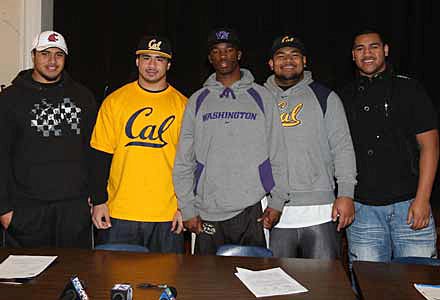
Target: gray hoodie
(231, 151)
(318, 140)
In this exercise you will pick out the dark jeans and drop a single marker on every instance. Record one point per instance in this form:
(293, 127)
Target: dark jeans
(156, 236)
(243, 229)
(54, 224)
(319, 241)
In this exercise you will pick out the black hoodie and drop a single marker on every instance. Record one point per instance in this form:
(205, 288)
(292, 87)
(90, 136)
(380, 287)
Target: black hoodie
(45, 132)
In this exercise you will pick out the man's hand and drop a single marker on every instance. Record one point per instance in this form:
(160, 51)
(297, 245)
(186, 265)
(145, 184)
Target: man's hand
(343, 207)
(6, 218)
(418, 214)
(194, 225)
(177, 225)
(101, 217)
(270, 217)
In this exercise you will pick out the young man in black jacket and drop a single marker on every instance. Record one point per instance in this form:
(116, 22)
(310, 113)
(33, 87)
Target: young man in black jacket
(46, 120)
(394, 128)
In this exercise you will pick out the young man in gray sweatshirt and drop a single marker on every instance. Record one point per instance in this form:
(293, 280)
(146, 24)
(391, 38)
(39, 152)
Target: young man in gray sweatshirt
(231, 154)
(319, 149)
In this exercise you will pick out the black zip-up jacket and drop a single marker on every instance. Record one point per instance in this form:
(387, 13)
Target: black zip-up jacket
(45, 132)
(385, 113)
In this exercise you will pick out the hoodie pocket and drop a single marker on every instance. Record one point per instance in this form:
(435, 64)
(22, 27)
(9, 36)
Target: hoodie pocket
(230, 186)
(304, 170)
(53, 180)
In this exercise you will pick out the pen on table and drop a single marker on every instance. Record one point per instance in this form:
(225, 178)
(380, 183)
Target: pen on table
(11, 281)
(150, 285)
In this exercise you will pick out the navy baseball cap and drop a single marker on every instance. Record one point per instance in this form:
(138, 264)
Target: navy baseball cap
(223, 35)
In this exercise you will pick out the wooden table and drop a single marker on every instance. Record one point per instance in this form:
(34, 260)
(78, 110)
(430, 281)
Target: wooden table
(392, 280)
(195, 277)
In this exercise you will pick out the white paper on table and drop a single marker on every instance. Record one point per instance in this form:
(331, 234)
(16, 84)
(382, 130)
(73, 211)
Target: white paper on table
(24, 266)
(243, 270)
(271, 282)
(430, 292)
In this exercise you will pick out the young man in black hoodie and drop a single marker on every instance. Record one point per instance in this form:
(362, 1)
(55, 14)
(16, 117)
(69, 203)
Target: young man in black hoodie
(46, 120)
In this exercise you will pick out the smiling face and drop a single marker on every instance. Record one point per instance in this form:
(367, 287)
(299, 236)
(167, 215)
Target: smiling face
(152, 71)
(48, 65)
(287, 64)
(369, 53)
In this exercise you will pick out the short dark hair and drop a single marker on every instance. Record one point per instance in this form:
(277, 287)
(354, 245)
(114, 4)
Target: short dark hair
(370, 30)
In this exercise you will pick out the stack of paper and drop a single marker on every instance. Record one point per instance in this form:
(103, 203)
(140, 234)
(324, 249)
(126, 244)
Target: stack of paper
(271, 282)
(431, 292)
(24, 266)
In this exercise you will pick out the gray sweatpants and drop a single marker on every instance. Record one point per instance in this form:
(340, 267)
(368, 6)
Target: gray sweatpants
(319, 241)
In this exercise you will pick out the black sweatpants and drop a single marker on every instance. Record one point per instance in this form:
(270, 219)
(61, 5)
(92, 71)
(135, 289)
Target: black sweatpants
(243, 229)
(64, 224)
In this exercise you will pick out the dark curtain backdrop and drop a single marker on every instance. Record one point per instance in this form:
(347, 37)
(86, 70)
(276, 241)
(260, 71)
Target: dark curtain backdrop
(102, 36)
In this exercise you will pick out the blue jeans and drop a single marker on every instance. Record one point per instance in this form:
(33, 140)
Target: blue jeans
(156, 236)
(380, 233)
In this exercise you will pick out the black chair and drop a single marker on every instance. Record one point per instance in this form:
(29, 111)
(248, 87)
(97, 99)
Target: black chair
(238, 250)
(417, 260)
(122, 247)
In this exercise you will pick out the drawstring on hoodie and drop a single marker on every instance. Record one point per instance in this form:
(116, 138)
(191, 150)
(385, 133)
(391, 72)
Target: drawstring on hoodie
(226, 92)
